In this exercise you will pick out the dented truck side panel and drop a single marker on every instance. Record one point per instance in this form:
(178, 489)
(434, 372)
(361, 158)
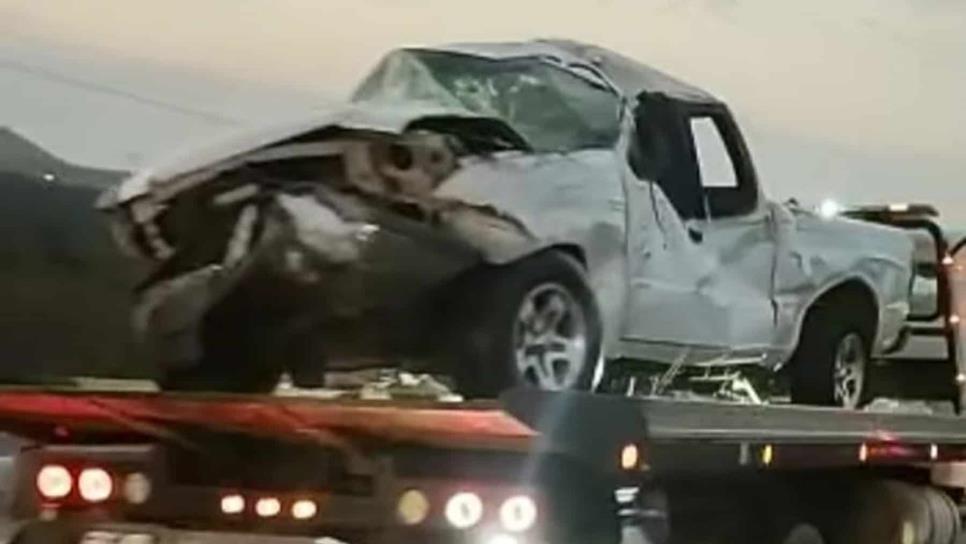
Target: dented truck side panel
(573, 201)
(818, 254)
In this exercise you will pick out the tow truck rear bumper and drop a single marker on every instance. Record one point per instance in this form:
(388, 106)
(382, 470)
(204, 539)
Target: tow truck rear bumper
(55, 532)
(87, 532)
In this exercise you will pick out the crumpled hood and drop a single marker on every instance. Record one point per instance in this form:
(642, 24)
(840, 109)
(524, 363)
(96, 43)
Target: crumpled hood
(374, 116)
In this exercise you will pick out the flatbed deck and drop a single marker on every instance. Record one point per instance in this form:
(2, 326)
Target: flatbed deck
(587, 425)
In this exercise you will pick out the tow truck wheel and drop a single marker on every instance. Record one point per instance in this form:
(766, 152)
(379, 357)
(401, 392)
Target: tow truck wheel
(830, 367)
(530, 323)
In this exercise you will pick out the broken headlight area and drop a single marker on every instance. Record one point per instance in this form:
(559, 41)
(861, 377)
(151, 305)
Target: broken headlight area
(184, 216)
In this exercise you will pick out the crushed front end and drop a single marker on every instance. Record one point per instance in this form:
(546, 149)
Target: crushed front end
(320, 245)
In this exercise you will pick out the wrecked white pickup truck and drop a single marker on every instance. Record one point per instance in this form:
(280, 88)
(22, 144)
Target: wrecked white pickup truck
(503, 213)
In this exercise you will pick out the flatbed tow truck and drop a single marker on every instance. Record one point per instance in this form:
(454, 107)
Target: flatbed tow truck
(530, 467)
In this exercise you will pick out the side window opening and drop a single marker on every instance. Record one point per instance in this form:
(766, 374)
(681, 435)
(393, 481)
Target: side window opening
(714, 161)
(727, 178)
(664, 154)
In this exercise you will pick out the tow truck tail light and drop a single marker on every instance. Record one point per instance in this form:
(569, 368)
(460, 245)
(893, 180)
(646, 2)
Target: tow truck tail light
(304, 509)
(464, 510)
(630, 457)
(268, 507)
(137, 488)
(497, 510)
(54, 482)
(518, 513)
(413, 507)
(95, 485)
(863, 452)
(232, 504)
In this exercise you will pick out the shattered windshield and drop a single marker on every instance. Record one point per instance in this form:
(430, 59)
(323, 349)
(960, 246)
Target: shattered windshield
(552, 108)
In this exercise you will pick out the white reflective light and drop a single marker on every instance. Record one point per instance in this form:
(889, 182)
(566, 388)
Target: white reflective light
(95, 485)
(464, 510)
(137, 488)
(767, 454)
(630, 456)
(304, 509)
(517, 514)
(137, 538)
(54, 482)
(898, 208)
(413, 507)
(502, 539)
(268, 507)
(829, 208)
(625, 495)
(100, 537)
(233, 504)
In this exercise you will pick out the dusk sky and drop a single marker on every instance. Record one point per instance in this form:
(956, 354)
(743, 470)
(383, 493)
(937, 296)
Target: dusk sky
(859, 100)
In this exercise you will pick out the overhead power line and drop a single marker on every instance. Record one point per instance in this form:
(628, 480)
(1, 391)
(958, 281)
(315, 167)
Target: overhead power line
(50, 75)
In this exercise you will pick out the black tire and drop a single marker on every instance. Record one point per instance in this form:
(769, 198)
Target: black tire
(240, 353)
(480, 348)
(813, 365)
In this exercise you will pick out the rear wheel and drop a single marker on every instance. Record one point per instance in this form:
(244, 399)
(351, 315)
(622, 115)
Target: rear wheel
(831, 365)
(531, 323)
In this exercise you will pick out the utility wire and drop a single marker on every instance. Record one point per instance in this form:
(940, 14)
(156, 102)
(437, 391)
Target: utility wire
(49, 75)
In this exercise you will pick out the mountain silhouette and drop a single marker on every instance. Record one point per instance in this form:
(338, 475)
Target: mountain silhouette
(29, 160)
(64, 287)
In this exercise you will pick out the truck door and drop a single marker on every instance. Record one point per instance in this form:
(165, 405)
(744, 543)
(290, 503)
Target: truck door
(736, 231)
(701, 268)
(668, 311)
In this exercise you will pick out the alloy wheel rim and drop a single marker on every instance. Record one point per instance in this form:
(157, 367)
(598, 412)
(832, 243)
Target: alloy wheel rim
(850, 366)
(550, 338)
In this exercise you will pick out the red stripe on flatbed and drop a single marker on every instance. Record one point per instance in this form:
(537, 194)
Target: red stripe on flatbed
(291, 418)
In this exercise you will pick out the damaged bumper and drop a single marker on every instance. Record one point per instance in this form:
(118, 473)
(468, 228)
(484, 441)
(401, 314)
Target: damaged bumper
(300, 263)
(325, 230)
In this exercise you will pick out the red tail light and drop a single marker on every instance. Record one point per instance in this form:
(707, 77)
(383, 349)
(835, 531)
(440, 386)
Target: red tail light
(54, 482)
(95, 485)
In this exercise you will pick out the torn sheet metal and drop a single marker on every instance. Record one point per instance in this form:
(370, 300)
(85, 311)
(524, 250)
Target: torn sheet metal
(323, 232)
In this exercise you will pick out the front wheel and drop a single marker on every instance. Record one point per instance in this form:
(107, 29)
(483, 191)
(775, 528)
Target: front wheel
(531, 323)
(831, 365)
(241, 352)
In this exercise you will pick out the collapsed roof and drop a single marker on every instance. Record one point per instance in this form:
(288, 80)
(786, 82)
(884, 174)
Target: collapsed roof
(630, 76)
